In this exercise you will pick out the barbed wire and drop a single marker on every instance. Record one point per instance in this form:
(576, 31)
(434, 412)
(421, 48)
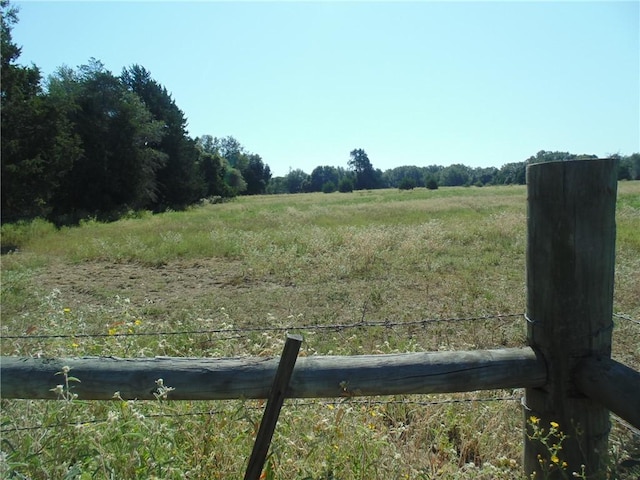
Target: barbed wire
(340, 402)
(238, 330)
(626, 317)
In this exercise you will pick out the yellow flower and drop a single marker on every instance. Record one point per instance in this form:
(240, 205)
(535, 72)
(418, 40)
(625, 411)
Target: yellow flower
(75, 345)
(533, 419)
(555, 459)
(113, 331)
(66, 310)
(138, 322)
(554, 424)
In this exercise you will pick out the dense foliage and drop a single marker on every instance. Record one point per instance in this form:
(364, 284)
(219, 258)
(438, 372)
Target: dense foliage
(87, 143)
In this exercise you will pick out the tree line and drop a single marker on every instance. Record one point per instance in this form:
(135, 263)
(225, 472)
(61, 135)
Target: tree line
(88, 143)
(362, 174)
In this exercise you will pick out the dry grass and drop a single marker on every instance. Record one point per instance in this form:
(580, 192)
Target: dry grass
(287, 260)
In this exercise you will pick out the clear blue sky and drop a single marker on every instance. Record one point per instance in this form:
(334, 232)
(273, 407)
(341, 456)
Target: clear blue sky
(412, 83)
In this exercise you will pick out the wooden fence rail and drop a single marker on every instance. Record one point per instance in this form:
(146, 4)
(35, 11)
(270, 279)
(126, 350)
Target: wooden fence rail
(567, 370)
(313, 377)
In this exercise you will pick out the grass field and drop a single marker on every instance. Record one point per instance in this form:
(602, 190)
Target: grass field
(288, 261)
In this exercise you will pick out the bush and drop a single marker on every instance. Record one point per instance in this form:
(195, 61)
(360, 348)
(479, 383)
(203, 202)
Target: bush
(329, 187)
(16, 235)
(431, 184)
(407, 183)
(345, 185)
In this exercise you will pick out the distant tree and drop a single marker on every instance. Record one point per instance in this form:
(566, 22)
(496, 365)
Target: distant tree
(512, 174)
(483, 176)
(545, 156)
(231, 150)
(256, 174)
(430, 182)
(407, 183)
(455, 175)
(634, 165)
(234, 179)
(345, 185)
(394, 176)
(277, 185)
(624, 167)
(212, 168)
(322, 175)
(329, 187)
(297, 181)
(365, 175)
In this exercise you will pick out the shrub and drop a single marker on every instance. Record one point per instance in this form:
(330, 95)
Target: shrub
(329, 187)
(431, 184)
(407, 183)
(345, 185)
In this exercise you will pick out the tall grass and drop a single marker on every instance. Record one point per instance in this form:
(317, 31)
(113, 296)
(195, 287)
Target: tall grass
(285, 261)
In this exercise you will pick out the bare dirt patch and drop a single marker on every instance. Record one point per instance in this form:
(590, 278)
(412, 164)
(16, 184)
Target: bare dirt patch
(176, 286)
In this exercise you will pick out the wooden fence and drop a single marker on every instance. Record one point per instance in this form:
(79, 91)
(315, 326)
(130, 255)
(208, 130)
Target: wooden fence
(567, 370)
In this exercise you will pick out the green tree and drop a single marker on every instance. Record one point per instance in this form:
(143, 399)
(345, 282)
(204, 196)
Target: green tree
(455, 175)
(277, 185)
(329, 187)
(180, 181)
(634, 165)
(395, 176)
(297, 181)
(320, 176)
(38, 146)
(483, 176)
(119, 160)
(257, 175)
(365, 175)
(234, 179)
(346, 184)
(213, 168)
(514, 173)
(430, 182)
(407, 183)
(255, 172)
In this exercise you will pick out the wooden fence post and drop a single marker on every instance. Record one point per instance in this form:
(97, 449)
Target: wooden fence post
(570, 276)
(273, 407)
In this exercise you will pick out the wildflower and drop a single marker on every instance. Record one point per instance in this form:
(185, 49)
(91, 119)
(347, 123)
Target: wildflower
(75, 345)
(534, 420)
(66, 310)
(112, 417)
(58, 390)
(113, 331)
(138, 322)
(554, 424)
(555, 459)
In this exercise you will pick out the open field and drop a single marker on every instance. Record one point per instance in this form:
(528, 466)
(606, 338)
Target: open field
(290, 262)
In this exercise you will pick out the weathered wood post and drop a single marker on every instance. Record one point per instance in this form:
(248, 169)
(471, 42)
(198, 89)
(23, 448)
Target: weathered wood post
(570, 275)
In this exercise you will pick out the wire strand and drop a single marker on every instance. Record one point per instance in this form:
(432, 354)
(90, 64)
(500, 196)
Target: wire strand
(341, 402)
(335, 327)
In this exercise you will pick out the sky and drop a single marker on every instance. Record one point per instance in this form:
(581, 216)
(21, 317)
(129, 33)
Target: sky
(302, 84)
